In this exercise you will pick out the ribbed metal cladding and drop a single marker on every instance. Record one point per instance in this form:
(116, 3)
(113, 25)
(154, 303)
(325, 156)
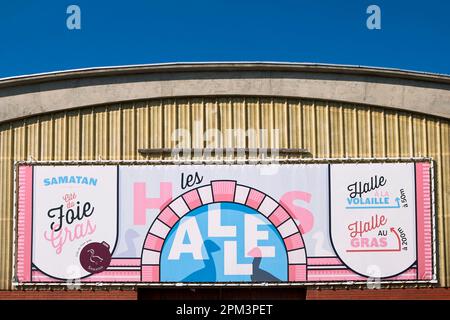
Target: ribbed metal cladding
(326, 129)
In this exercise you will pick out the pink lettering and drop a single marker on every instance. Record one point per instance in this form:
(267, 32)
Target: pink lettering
(69, 199)
(359, 228)
(354, 242)
(142, 203)
(304, 217)
(59, 238)
(368, 242)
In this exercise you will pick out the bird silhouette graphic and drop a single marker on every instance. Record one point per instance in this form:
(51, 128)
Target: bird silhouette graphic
(130, 236)
(260, 275)
(93, 258)
(208, 272)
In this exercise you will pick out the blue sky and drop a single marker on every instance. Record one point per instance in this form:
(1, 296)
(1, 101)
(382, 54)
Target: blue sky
(415, 35)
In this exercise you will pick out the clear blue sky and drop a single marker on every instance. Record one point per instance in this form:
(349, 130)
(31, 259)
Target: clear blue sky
(415, 35)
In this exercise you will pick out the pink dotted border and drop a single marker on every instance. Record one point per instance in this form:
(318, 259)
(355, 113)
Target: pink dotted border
(24, 223)
(424, 228)
(224, 191)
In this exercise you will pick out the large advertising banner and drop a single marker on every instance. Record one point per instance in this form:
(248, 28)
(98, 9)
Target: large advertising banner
(307, 223)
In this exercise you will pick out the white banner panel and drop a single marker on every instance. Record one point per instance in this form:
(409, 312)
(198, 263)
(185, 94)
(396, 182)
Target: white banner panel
(72, 206)
(373, 217)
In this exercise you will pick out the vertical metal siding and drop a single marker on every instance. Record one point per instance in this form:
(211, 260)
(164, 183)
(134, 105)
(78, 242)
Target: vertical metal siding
(211, 125)
(444, 179)
(239, 123)
(153, 132)
(6, 194)
(253, 122)
(325, 128)
(170, 124)
(350, 131)
(294, 114)
(378, 133)
(198, 125)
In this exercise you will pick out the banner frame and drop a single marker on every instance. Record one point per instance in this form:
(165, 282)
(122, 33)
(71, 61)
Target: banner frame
(270, 161)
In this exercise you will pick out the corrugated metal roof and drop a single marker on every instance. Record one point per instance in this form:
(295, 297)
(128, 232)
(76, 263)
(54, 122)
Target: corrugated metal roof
(226, 66)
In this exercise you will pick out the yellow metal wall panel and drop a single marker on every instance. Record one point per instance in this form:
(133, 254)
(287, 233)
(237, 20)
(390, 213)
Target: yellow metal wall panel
(61, 135)
(183, 129)
(115, 132)
(197, 123)
(378, 133)
(74, 135)
(309, 127)
(129, 132)
(280, 126)
(392, 138)
(405, 135)
(6, 205)
(143, 128)
(46, 141)
(226, 123)
(239, 123)
(445, 195)
(322, 120)
(419, 136)
(295, 123)
(156, 123)
(350, 132)
(101, 116)
(363, 133)
(170, 133)
(267, 125)
(20, 140)
(87, 134)
(253, 123)
(336, 130)
(33, 138)
(212, 133)
(325, 128)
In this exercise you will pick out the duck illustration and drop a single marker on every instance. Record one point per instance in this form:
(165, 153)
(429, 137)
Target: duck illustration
(260, 275)
(208, 272)
(94, 259)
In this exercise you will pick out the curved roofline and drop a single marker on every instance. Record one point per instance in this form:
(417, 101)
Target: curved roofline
(416, 92)
(223, 66)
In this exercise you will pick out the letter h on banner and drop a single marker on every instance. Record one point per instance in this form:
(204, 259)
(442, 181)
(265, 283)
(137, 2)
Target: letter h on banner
(142, 203)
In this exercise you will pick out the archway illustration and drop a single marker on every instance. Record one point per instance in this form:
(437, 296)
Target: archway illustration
(220, 191)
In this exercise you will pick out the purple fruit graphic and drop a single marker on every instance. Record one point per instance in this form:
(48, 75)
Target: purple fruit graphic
(95, 257)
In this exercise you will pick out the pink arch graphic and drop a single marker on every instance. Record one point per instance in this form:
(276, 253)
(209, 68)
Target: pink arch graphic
(223, 191)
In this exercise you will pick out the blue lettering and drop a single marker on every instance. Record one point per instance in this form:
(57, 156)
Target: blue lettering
(62, 180)
(367, 201)
(70, 179)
